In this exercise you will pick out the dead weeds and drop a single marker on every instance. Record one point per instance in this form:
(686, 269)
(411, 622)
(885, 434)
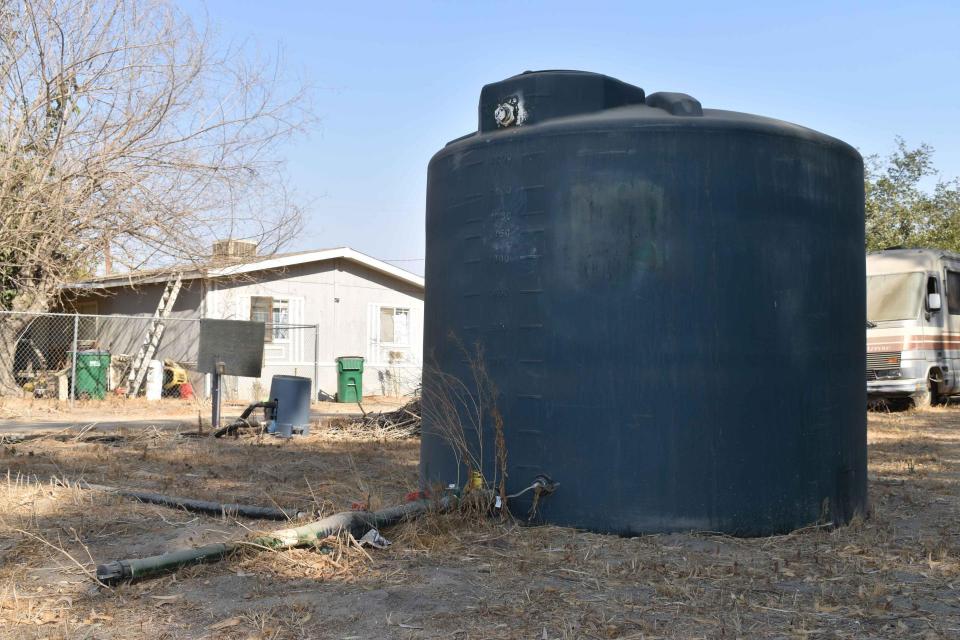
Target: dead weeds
(894, 574)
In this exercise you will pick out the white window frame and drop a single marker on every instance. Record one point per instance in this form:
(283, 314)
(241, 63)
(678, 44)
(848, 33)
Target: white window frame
(280, 304)
(377, 347)
(276, 304)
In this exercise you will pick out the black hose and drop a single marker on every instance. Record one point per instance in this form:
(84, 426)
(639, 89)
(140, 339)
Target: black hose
(243, 421)
(355, 522)
(200, 506)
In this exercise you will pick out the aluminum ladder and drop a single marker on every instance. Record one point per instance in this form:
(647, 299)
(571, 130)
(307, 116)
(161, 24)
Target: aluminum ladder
(141, 362)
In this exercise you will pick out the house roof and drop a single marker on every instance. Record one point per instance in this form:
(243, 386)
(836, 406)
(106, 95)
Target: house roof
(220, 269)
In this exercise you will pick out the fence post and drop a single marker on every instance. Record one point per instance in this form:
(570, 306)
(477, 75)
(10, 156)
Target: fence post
(316, 363)
(73, 360)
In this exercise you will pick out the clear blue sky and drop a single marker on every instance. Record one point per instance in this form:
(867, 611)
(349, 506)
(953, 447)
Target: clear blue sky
(397, 80)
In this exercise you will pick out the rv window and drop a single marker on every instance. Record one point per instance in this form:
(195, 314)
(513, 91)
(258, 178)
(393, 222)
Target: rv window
(894, 296)
(953, 292)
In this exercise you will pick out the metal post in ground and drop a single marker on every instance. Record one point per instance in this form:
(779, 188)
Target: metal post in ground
(215, 396)
(73, 360)
(316, 363)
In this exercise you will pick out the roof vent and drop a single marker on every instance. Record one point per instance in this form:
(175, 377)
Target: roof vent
(234, 249)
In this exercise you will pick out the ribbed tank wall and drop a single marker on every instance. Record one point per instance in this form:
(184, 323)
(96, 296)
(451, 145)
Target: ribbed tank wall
(671, 308)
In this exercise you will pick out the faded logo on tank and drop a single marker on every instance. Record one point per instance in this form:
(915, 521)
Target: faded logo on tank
(614, 230)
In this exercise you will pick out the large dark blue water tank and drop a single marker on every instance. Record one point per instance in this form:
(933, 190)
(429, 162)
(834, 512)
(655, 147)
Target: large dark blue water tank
(669, 300)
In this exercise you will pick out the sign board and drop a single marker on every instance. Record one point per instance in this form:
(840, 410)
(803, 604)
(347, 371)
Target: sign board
(238, 344)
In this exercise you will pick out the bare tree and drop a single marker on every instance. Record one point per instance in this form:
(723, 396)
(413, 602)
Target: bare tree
(126, 133)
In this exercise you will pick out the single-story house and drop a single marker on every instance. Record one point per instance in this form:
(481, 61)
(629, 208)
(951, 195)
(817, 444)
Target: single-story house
(318, 305)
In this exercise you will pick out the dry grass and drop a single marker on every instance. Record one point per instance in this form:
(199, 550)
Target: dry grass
(110, 407)
(896, 574)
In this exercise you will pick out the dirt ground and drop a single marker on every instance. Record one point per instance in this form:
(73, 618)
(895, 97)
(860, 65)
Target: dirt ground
(895, 574)
(23, 415)
(37, 409)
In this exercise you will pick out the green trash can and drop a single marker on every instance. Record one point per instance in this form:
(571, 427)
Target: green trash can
(349, 379)
(92, 370)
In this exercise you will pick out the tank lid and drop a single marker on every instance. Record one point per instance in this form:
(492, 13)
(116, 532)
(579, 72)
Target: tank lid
(536, 96)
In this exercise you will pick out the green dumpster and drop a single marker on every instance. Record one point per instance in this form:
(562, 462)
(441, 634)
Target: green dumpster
(92, 371)
(349, 379)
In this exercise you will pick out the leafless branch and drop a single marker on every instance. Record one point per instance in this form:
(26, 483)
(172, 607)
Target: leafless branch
(123, 129)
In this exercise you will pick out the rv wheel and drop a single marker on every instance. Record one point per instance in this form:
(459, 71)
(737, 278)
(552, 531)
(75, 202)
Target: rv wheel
(931, 396)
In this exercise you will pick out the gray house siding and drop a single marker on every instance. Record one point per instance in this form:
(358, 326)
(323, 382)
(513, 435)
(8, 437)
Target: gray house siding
(124, 335)
(142, 300)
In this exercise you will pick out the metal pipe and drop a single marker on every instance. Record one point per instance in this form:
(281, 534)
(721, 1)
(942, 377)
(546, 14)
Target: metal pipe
(118, 570)
(316, 363)
(73, 364)
(215, 401)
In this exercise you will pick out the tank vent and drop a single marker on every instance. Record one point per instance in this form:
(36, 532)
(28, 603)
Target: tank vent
(677, 104)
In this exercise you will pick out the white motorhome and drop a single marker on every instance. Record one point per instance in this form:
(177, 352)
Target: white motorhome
(913, 325)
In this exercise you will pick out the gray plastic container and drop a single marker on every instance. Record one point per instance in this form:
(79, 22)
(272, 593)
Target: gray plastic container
(292, 395)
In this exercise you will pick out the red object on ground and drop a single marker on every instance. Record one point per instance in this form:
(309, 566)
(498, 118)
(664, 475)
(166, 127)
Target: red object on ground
(359, 506)
(186, 390)
(413, 496)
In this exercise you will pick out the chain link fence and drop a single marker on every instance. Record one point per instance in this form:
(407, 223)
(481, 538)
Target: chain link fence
(37, 357)
(289, 349)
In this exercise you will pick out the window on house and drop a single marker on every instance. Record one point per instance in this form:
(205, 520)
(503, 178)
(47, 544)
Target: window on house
(87, 328)
(273, 312)
(394, 326)
(392, 334)
(261, 310)
(281, 320)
